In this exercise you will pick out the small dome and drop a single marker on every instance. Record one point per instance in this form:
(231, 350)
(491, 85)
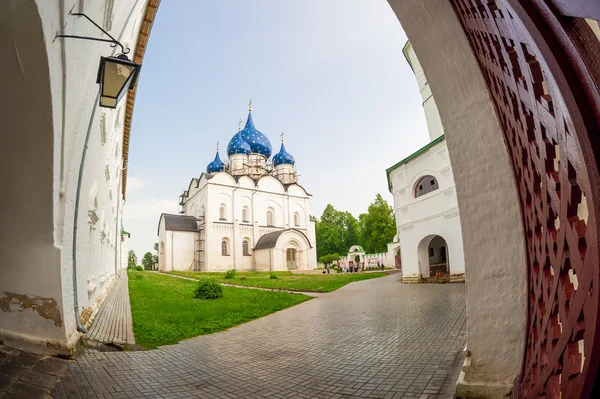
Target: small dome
(217, 165)
(283, 157)
(258, 142)
(237, 145)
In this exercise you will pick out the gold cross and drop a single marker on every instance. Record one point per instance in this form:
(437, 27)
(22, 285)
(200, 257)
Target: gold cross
(240, 124)
(217, 146)
(282, 134)
(250, 105)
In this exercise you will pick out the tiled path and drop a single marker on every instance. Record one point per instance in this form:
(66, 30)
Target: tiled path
(113, 321)
(27, 376)
(375, 338)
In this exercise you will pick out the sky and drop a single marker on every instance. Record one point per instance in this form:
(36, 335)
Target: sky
(330, 73)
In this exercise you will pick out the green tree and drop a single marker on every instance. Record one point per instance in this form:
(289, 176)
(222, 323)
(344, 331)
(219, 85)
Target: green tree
(377, 226)
(155, 256)
(351, 231)
(329, 259)
(131, 259)
(336, 232)
(148, 261)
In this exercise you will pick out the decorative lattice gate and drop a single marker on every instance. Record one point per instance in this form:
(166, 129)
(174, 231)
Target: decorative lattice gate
(541, 62)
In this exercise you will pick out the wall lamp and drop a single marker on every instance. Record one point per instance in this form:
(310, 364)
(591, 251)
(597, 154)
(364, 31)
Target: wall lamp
(116, 74)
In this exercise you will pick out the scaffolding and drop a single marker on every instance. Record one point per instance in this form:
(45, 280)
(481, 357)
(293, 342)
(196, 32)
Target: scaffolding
(199, 247)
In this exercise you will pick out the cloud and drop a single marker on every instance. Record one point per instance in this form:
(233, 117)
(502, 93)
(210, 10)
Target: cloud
(134, 184)
(149, 208)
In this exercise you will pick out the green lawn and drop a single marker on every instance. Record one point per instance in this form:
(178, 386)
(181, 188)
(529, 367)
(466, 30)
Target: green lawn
(287, 280)
(165, 312)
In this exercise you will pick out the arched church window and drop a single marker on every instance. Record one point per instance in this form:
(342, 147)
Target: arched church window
(222, 212)
(245, 248)
(245, 214)
(270, 219)
(426, 184)
(296, 219)
(224, 248)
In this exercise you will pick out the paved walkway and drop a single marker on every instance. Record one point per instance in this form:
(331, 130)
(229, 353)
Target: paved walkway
(27, 376)
(375, 338)
(112, 324)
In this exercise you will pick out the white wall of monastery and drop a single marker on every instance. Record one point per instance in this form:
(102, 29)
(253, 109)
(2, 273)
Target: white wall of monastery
(59, 76)
(486, 192)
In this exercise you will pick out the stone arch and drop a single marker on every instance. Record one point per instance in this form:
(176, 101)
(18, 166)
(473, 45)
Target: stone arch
(433, 256)
(476, 145)
(30, 167)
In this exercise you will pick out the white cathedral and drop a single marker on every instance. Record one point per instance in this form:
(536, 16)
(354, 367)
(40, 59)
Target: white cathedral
(247, 213)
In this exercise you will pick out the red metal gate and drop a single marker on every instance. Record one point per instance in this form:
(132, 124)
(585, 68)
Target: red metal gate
(541, 62)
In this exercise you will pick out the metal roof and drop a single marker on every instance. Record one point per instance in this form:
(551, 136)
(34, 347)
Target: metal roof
(413, 156)
(179, 222)
(269, 240)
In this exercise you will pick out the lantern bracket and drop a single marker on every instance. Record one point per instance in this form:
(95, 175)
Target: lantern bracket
(113, 42)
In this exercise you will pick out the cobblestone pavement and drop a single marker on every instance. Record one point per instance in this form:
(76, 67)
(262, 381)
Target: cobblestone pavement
(27, 376)
(113, 321)
(375, 338)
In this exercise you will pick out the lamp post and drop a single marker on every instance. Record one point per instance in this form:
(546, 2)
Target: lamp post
(116, 74)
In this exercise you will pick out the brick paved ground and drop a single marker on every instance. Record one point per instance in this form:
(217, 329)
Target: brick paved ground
(376, 338)
(113, 321)
(27, 376)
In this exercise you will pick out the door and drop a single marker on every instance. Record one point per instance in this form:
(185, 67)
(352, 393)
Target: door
(291, 258)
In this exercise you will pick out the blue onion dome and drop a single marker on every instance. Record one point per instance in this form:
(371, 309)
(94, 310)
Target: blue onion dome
(237, 145)
(217, 165)
(259, 143)
(283, 157)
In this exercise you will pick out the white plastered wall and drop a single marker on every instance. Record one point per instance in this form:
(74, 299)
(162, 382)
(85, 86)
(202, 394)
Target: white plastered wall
(491, 222)
(435, 213)
(267, 193)
(62, 81)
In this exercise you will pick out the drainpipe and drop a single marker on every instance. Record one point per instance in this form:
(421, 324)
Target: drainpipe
(80, 327)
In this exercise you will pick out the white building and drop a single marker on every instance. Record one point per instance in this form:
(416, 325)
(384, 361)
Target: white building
(248, 213)
(427, 216)
(390, 258)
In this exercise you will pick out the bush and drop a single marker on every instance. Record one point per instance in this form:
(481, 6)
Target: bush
(243, 278)
(230, 274)
(139, 268)
(273, 276)
(208, 289)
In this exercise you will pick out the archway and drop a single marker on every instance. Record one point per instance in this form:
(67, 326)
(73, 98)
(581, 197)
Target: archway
(552, 33)
(30, 234)
(433, 257)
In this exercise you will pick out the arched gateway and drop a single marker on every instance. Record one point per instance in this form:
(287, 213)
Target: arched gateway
(517, 86)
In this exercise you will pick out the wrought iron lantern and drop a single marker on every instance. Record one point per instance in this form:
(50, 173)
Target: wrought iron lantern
(116, 75)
